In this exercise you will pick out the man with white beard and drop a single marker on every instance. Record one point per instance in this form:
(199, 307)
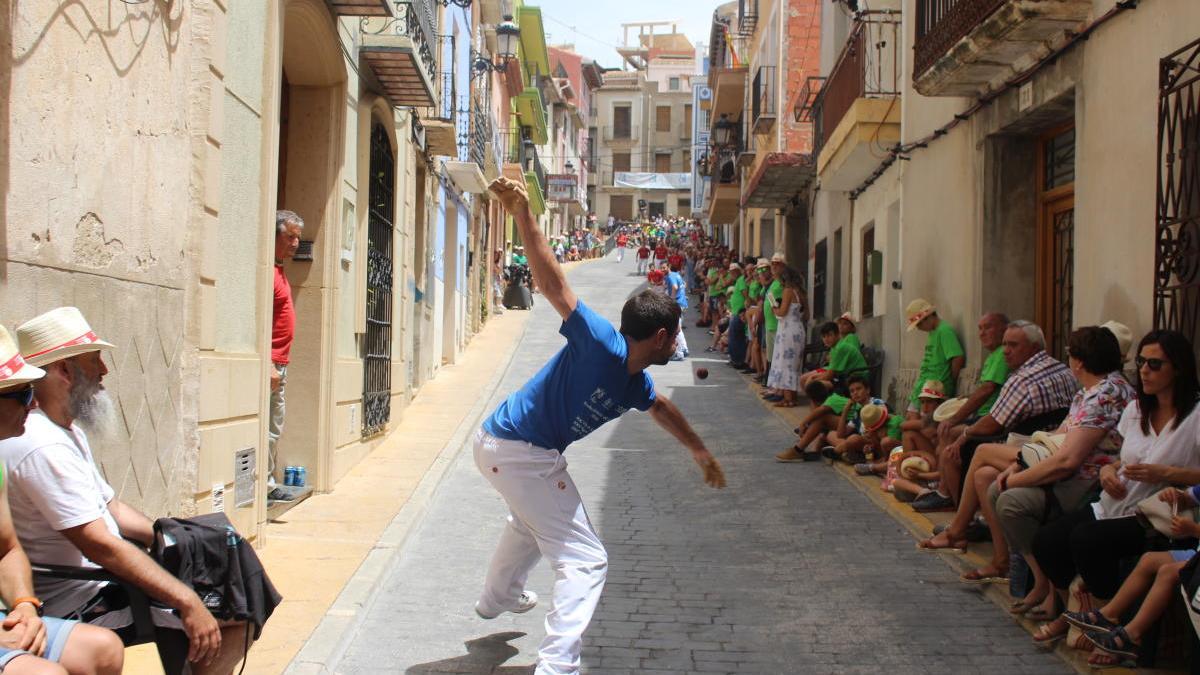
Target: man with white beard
(67, 514)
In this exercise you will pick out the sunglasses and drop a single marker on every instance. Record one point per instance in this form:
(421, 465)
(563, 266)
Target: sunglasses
(22, 396)
(1154, 364)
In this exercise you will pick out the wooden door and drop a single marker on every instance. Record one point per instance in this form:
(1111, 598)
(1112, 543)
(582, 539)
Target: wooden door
(1055, 246)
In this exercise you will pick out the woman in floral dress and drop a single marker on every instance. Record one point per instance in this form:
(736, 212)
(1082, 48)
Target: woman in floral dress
(788, 356)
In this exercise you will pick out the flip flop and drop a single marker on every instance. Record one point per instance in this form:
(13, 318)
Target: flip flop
(979, 577)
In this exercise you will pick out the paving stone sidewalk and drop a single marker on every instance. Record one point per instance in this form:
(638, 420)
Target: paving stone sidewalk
(789, 570)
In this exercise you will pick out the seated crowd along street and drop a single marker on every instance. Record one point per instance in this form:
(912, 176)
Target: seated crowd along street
(1084, 475)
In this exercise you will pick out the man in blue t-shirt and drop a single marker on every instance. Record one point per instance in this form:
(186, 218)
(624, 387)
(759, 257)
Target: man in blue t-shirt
(595, 378)
(677, 289)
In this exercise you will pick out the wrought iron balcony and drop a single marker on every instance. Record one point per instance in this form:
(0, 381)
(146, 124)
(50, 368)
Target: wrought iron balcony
(401, 53)
(867, 68)
(963, 47)
(762, 100)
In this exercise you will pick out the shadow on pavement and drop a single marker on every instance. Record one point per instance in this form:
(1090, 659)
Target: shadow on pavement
(484, 656)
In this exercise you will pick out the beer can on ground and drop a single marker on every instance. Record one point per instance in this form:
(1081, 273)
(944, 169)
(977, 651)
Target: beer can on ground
(301, 477)
(289, 476)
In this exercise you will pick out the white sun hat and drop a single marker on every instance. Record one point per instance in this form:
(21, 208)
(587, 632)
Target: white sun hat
(14, 370)
(58, 334)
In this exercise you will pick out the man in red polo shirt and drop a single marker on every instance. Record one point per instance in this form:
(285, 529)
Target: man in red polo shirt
(283, 325)
(643, 259)
(622, 240)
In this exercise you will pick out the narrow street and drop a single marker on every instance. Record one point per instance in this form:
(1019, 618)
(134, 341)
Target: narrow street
(790, 569)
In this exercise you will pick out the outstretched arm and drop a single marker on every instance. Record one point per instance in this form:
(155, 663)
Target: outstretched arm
(669, 417)
(550, 278)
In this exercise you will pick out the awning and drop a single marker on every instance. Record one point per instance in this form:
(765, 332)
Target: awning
(779, 178)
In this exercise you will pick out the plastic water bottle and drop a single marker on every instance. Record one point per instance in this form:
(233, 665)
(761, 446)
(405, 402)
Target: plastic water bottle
(1018, 575)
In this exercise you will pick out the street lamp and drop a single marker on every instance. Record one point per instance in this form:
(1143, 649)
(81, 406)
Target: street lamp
(508, 36)
(723, 131)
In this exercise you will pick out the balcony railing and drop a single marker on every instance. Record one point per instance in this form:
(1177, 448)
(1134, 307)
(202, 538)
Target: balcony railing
(762, 100)
(621, 133)
(513, 142)
(868, 67)
(447, 99)
(747, 17)
(481, 133)
(940, 24)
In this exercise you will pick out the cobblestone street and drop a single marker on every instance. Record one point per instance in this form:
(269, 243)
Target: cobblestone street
(790, 569)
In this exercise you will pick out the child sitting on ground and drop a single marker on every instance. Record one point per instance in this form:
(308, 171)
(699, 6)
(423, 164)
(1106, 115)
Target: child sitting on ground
(918, 437)
(848, 442)
(1156, 577)
(827, 410)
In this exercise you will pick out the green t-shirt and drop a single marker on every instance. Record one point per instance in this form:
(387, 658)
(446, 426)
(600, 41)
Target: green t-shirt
(837, 403)
(846, 355)
(519, 259)
(941, 346)
(775, 290)
(713, 280)
(756, 289)
(893, 428)
(994, 370)
(737, 298)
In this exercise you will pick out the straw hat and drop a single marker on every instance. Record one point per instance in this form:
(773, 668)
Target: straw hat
(58, 334)
(916, 311)
(1123, 334)
(763, 264)
(911, 466)
(847, 316)
(14, 370)
(734, 266)
(873, 416)
(948, 409)
(933, 389)
(779, 258)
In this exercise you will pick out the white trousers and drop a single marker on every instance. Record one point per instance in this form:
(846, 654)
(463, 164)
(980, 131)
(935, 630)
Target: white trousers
(681, 348)
(620, 253)
(546, 518)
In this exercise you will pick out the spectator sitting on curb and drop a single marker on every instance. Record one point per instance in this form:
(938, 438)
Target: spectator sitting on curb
(847, 442)
(944, 356)
(913, 469)
(917, 436)
(958, 413)
(824, 418)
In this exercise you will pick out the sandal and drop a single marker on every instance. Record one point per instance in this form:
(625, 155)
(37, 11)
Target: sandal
(1090, 621)
(928, 545)
(785, 404)
(983, 576)
(1048, 635)
(1116, 642)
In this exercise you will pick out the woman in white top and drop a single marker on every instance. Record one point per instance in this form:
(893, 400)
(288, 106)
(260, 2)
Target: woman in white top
(1161, 447)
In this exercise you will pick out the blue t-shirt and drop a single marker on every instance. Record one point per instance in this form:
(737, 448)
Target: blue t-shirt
(583, 386)
(675, 288)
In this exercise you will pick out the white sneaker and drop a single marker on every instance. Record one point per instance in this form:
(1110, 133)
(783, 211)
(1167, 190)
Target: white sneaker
(526, 602)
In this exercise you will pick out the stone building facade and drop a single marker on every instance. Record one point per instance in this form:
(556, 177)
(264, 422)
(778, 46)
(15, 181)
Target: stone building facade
(149, 148)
